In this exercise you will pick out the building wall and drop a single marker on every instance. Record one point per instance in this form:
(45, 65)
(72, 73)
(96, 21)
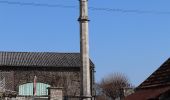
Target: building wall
(68, 78)
(165, 96)
(6, 80)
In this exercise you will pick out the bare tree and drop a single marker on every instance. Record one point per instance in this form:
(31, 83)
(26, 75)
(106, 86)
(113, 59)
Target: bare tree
(112, 85)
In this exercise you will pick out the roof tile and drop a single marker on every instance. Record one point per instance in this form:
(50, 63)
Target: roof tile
(40, 59)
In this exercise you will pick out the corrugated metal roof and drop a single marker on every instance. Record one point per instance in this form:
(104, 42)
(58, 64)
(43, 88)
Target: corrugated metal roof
(40, 59)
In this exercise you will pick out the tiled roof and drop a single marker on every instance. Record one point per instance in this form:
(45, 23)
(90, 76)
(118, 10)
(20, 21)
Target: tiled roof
(155, 85)
(159, 78)
(40, 59)
(148, 94)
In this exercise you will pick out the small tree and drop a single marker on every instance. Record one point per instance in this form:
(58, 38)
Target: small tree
(113, 84)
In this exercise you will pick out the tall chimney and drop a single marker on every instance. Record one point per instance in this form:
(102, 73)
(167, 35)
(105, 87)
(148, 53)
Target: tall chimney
(84, 51)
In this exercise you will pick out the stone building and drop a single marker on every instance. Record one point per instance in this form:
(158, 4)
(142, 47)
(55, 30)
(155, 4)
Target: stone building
(19, 69)
(156, 86)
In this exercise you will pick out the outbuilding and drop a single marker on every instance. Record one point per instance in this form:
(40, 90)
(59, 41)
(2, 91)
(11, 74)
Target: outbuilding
(20, 71)
(156, 86)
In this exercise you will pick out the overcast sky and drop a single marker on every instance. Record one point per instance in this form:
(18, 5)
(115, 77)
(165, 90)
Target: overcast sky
(130, 36)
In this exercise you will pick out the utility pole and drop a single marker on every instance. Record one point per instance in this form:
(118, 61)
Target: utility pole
(85, 87)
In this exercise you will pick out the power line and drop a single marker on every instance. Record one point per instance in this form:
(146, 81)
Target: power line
(90, 8)
(129, 11)
(36, 4)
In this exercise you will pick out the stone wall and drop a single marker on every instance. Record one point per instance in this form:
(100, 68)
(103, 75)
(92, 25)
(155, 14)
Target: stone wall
(55, 77)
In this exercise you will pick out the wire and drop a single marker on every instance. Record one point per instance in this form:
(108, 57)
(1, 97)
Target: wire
(128, 11)
(36, 4)
(90, 8)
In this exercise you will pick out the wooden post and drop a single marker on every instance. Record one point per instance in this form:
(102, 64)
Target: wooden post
(84, 51)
